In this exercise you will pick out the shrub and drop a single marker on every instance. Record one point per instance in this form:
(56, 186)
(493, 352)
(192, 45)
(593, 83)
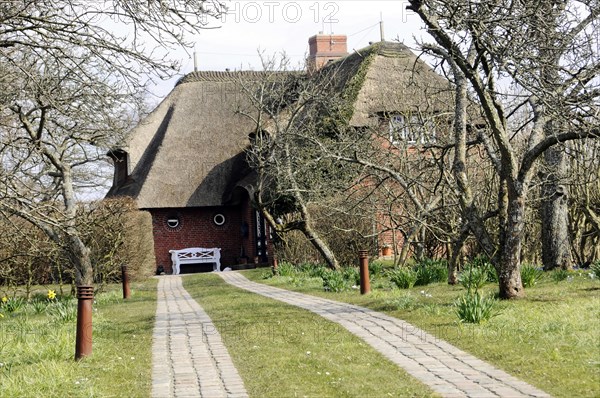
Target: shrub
(13, 304)
(317, 271)
(404, 278)
(117, 233)
(530, 275)
(375, 268)
(334, 281)
(286, 269)
(305, 267)
(431, 271)
(63, 311)
(267, 274)
(492, 275)
(352, 275)
(560, 275)
(472, 307)
(312, 270)
(485, 263)
(473, 277)
(38, 306)
(595, 268)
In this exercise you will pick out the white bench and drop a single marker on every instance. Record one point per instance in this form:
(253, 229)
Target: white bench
(195, 255)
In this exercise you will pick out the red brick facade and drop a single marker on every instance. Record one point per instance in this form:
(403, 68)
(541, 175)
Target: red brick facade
(197, 228)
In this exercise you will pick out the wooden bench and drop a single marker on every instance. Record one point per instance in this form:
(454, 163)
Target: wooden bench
(195, 255)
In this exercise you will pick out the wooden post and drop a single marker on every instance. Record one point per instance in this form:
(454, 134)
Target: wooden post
(83, 339)
(363, 264)
(274, 269)
(125, 280)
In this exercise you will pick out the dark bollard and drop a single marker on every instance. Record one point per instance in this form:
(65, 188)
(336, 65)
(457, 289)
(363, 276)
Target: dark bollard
(83, 340)
(125, 279)
(365, 284)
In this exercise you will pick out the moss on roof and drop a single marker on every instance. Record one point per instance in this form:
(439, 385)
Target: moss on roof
(186, 153)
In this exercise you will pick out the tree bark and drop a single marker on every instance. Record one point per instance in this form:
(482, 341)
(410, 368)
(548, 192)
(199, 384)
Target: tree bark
(80, 258)
(509, 269)
(314, 238)
(556, 247)
(457, 249)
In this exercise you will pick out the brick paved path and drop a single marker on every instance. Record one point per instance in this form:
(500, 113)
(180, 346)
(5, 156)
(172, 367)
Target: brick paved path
(188, 356)
(446, 369)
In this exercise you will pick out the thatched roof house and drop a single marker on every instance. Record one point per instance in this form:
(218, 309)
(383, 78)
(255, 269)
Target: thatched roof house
(188, 150)
(185, 163)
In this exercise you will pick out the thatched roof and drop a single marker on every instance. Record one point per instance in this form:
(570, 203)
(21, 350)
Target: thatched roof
(387, 78)
(189, 151)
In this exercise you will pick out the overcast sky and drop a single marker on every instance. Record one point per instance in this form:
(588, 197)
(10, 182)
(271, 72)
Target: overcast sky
(274, 26)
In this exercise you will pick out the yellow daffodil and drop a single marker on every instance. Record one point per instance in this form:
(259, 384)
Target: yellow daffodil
(4, 299)
(51, 294)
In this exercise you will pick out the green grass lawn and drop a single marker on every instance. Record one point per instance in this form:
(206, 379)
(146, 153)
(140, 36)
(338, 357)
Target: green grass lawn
(37, 348)
(284, 351)
(550, 339)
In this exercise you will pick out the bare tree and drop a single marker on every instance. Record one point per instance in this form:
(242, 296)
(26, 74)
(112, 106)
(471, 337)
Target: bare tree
(584, 199)
(509, 40)
(129, 37)
(293, 115)
(58, 128)
(73, 71)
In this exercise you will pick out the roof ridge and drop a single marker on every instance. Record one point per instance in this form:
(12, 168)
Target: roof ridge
(225, 76)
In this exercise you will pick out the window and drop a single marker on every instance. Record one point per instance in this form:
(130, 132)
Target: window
(173, 222)
(219, 219)
(411, 130)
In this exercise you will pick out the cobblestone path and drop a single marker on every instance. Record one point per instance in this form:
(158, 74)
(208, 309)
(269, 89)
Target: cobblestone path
(188, 356)
(446, 369)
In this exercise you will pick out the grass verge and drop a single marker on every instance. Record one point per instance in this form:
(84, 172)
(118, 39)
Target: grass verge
(550, 339)
(37, 348)
(284, 351)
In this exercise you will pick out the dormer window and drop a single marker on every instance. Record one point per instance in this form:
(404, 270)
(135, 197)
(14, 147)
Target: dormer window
(411, 130)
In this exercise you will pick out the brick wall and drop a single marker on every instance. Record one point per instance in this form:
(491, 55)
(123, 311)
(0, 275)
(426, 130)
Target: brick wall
(197, 229)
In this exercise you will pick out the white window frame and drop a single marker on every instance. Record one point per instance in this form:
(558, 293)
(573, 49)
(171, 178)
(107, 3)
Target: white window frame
(416, 130)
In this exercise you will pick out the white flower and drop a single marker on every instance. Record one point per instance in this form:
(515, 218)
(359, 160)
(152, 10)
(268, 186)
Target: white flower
(307, 352)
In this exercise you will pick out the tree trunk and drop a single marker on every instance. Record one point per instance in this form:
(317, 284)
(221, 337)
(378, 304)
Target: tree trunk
(403, 257)
(556, 248)
(469, 210)
(457, 251)
(509, 268)
(314, 238)
(80, 258)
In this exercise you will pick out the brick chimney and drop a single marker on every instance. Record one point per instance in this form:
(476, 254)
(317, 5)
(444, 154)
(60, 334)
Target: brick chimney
(325, 48)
